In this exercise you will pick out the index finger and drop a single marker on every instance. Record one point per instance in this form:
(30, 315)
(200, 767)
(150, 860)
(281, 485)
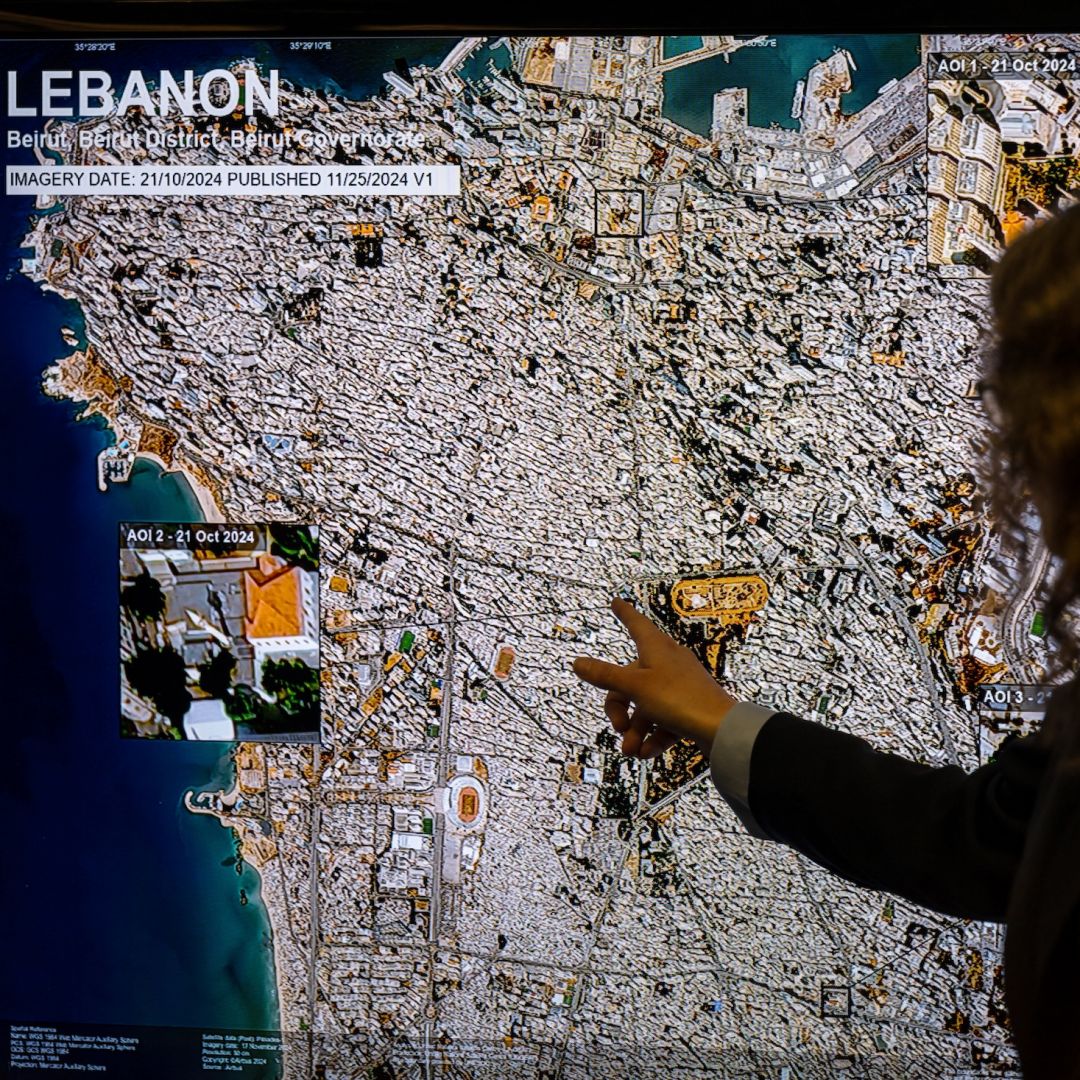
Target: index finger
(642, 628)
(622, 678)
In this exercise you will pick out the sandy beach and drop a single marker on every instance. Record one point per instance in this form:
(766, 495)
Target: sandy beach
(204, 495)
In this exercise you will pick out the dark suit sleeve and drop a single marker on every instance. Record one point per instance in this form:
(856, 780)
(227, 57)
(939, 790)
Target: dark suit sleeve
(946, 839)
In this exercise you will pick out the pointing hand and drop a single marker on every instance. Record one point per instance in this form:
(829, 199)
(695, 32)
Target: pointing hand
(672, 694)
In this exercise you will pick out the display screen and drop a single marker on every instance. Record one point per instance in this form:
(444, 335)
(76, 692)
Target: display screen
(348, 381)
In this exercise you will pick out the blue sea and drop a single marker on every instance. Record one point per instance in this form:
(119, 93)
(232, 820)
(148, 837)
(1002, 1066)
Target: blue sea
(116, 904)
(119, 906)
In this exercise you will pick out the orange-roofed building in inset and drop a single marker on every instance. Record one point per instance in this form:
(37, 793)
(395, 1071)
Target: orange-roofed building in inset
(281, 613)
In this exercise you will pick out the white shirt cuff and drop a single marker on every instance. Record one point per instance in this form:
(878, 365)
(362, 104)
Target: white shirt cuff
(729, 759)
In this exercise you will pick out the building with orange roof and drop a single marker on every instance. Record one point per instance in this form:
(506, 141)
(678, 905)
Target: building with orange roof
(281, 613)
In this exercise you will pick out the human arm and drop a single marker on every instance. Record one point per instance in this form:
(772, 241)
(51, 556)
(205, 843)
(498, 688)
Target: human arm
(941, 837)
(671, 694)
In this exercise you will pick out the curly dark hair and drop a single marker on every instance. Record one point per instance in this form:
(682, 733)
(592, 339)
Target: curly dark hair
(1032, 379)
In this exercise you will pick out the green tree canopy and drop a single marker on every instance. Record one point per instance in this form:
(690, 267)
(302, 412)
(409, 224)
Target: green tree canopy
(144, 598)
(296, 687)
(272, 720)
(247, 708)
(241, 703)
(159, 675)
(296, 545)
(215, 674)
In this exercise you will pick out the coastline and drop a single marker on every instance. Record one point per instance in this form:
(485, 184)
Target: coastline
(136, 876)
(261, 852)
(205, 495)
(101, 388)
(83, 377)
(80, 379)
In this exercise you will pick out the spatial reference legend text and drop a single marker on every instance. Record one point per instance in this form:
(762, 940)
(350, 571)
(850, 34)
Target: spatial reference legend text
(233, 179)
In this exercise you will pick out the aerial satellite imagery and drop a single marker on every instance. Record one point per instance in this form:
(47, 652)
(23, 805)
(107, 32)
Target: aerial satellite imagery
(700, 326)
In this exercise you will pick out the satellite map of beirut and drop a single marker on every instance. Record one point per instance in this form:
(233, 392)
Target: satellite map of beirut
(688, 333)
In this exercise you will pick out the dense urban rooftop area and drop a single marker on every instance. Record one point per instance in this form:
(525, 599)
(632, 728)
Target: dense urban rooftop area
(629, 357)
